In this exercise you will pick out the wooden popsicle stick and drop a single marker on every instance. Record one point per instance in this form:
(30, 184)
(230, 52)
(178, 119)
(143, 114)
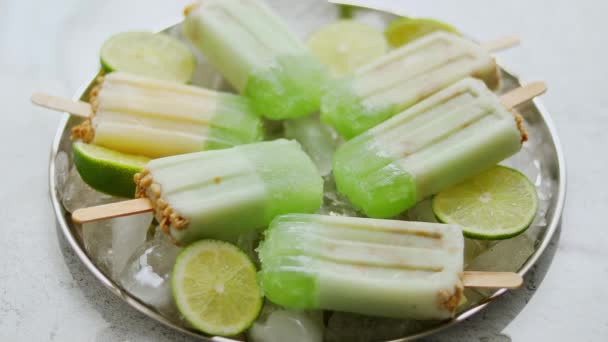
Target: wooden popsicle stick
(501, 43)
(522, 94)
(112, 210)
(77, 108)
(493, 280)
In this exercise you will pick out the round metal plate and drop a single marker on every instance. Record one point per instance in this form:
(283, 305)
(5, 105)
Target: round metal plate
(305, 17)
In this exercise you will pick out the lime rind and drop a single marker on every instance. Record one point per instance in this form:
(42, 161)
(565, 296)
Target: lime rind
(154, 55)
(518, 188)
(106, 170)
(214, 262)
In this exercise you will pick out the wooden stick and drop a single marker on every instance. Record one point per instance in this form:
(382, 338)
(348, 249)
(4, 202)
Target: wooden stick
(523, 94)
(501, 44)
(112, 210)
(77, 108)
(493, 280)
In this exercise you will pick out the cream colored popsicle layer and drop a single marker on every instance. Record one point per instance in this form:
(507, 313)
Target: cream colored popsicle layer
(254, 49)
(221, 194)
(142, 116)
(374, 267)
(452, 135)
(402, 78)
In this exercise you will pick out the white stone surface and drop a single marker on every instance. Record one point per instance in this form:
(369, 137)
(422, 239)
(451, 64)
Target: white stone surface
(47, 295)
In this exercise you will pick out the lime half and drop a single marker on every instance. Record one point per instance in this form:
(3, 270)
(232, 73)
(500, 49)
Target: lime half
(106, 170)
(215, 288)
(405, 30)
(154, 55)
(496, 204)
(346, 45)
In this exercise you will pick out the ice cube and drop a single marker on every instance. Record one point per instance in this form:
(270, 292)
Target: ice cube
(248, 243)
(357, 328)
(77, 194)
(524, 161)
(316, 139)
(147, 274)
(62, 170)
(423, 211)
(505, 256)
(111, 242)
(276, 324)
(334, 203)
(472, 249)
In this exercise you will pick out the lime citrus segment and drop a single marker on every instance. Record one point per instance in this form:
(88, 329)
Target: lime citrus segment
(496, 204)
(106, 170)
(154, 55)
(405, 30)
(215, 288)
(346, 45)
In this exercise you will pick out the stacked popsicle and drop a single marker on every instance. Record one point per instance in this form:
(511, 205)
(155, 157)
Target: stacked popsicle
(142, 116)
(402, 78)
(375, 267)
(255, 51)
(221, 194)
(454, 134)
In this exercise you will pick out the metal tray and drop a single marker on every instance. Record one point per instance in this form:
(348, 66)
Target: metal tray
(305, 17)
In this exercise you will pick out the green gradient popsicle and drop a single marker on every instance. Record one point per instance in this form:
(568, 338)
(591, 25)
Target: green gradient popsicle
(256, 52)
(402, 78)
(222, 194)
(374, 267)
(441, 141)
(153, 118)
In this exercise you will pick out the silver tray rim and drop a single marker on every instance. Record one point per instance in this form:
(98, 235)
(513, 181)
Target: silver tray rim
(553, 223)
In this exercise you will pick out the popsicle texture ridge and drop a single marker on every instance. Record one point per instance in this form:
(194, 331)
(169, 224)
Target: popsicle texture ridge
(450, 136)
(155, 118)
(369, 266)
(402, 78)
(222, 194)
(254, 49)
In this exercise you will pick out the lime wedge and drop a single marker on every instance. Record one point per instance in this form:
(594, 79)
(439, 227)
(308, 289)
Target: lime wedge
(106, 170)
(496, 204)
(346, 45)
(154, 55)
(405, 30)
(215, 288)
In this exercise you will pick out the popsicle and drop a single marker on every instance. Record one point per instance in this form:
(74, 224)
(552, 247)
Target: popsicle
(376, 267)
(403, 77)
(454, 134)
(256, 52)
(154, 118)
(221, 194)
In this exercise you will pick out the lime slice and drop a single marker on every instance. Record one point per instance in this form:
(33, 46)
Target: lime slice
(496, 204)
(106, 170)
(405, 30)
(346, 45)
(215, 288)
(154, 55)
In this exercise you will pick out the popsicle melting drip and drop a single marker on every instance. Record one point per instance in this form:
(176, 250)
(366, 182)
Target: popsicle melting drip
(141, 116)
(254, 49)
(452, 135)
(222, 194)
(374, 267)
(402, 78)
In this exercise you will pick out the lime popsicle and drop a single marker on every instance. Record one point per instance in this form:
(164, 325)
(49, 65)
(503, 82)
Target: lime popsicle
(222, 194)
(395, 82)
(452, 135)
(374, 267)
(154, 118)
(256, 52)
